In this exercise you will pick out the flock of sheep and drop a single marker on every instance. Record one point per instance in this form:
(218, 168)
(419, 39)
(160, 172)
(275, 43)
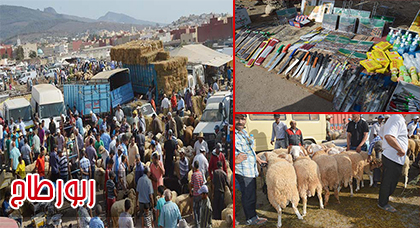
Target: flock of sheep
(299, 173)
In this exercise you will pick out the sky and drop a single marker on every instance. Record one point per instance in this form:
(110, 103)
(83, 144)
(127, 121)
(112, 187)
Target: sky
(161, 11)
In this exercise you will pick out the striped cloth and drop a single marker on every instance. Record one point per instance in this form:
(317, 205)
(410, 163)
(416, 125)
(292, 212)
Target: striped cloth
(197, 180)
(63, 166)
(206, 213)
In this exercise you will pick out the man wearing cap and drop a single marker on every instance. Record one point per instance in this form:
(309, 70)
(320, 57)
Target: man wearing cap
(206, 211)
(183, 167)
(278, 133)
(156, 125)
(375, 128)
(165, 105)
(216, 157)
(357, 134)
(395, 145)
(246, 171)
(142, 121)
(413, 126)
(201, 144)
(328, 129)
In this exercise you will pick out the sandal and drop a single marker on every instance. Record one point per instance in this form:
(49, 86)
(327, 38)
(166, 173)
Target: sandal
(388, 208)
(259, 221)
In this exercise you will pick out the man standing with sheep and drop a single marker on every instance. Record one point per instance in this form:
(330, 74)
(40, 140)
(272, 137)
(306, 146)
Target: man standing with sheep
(278, 133)
(357, 134)
(246, 171)
(395, 144)
(294, 136)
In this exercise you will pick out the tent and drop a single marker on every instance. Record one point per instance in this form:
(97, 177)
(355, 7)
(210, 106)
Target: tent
(200, 54)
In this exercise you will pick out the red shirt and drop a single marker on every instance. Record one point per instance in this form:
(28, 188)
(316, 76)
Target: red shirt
(153, 104)
(213, 163)
(40, 165)
(197, 181)
(173, 101)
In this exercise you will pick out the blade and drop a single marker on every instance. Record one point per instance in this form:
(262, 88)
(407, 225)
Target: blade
(305, 73)
(284, 65)
(291, 66)
(277, 61)
(317, 78)
(312, 76)
(272, 59)
(298, 68)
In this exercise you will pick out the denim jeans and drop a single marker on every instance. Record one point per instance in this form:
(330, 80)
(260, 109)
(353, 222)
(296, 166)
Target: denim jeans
(248, 188)
(364, 147)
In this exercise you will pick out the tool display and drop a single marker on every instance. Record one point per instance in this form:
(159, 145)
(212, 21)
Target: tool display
(275, 56)
(296, 62)
(268, 49)
(302, 62)
(287, 62)
(283, 53)
(256, 54)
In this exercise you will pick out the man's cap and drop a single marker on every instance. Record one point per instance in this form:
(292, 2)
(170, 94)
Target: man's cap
(203, 189)
(276, 115)
(218, 146)
(381, 117)
(217, 127)
(416, 117)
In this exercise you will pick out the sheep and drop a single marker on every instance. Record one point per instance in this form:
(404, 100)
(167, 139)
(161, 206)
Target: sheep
(405, 170)
(411, 148)
(369, 166)
(184, 203)
(228, 196)
(130, 180)
(282, 184)
(188, 133)
(345, 172)
(329, 174)
(296, 151)
(417, 148)
(308, 180)
(100, 177)
(221, 223)
(312, 148)
(228, 211)
(180, 143)
(118, 207)
(357, 164)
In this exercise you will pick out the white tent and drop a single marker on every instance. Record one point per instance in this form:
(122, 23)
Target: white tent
(198, 53)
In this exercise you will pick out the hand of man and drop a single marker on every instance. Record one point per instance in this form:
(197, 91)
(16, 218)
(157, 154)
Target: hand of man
(272, 142)
(401, 153)
(358, 149)
(241, 157)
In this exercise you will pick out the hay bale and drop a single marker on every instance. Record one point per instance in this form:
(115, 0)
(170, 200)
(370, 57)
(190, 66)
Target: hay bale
(140, 52)
(174, 63)
(162, 55)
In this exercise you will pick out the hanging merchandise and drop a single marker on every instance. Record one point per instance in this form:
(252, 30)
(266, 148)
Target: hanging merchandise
(330, 21)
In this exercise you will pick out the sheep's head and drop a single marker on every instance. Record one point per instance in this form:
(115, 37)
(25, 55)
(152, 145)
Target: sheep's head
(332, 151)
(286, 157)
(375, 163)
(297, 151)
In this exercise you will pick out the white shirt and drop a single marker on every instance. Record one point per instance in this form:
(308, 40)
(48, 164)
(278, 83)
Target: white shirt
(279, 131)
(159, 150)
(411, 128)
(112, 145)
(181, 104)
(198, 146)
(396, 127)
(203, 164)
(374, 130)
(22, 127)
(119, 114)
(1, 131)
(142, 123)
(215, 87)
(165, 103)
(94, 118)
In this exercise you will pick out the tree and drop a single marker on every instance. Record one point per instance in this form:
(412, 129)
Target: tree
(19, 53)
(32, 54)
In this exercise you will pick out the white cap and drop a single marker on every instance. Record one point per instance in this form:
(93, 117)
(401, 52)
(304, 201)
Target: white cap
(416, 117)
(91, 112)
(115, 118)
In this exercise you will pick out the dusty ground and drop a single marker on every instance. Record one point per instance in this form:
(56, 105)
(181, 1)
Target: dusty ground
(358, 211)
(258, 90)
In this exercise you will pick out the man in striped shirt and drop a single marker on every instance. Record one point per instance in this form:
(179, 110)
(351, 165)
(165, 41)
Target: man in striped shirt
(85, 166)
(206, 210)
(197, 181)
(63, 166)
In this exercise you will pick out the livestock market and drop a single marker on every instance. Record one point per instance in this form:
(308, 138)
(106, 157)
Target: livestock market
(325, 56)
(154, 132)
(288, 166)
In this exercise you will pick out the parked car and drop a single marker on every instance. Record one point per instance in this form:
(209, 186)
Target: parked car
(26, 76)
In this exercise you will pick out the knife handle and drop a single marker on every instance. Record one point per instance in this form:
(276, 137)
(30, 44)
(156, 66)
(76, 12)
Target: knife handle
(320, 59)
(291, 55)
(301, 56)
(326, 60)
(307, 53)
(314, 65)
(285, 49)
(309, 59)
(281, 47)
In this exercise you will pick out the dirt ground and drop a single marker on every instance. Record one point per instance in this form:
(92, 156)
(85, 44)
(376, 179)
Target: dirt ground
(258, 90)
(361, 210)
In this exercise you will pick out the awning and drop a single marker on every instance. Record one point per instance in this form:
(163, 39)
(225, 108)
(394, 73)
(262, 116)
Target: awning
(200, 54)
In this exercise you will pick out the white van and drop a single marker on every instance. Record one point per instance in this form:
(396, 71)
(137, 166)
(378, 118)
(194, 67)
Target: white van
(48, 102)
(26, 76)
(19, 107)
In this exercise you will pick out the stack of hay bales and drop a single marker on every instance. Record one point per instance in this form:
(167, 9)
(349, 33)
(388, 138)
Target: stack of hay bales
(198, 105)
(171, 72)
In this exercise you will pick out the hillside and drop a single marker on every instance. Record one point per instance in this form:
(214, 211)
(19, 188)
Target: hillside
(122, 18)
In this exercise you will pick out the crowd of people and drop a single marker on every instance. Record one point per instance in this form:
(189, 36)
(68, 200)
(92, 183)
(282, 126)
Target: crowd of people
(118, 146)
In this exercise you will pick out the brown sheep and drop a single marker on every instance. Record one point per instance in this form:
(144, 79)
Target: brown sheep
(345, 171)
(329, 173)
(308, 180)
(188, 133)
(118, 207)
(184, 203)
(411, 148)
(357, 164)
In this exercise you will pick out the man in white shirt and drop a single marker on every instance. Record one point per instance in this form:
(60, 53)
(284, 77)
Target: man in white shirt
(201, 144)
(374, 131)
(413, 126)
(278, 133)
(394, 145)
(94, 118)
(22, 126)
(165, 105)
(180, 106)
(203, 163)
(119, 114)
(215, 87)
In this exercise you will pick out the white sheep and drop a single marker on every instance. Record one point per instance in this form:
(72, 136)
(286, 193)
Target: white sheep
(297, 151)
(329, 174)
(357, 164)
(312, 148)
(405, 169)
(345, 171)
(184, 203)
(282, 184)
(308, 180)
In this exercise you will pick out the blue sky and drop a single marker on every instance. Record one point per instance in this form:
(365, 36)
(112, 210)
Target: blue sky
(163, 11)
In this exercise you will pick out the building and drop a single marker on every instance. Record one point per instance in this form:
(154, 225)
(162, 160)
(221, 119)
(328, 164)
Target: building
(28, 48)
(6, 50)
(215, 30)
(97, 53)
(164, 36)
(76, 45)
(187, 38)
(176, 33)
(61, 49)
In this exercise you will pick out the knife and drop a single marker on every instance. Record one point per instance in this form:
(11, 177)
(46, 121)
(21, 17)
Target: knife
(321, 71)
(302, 70)
(308, 68)
(324, 77)
(294, 63)
(275, 56)
(300, 64)
(283, 53)
(314, 72)
(287, 62)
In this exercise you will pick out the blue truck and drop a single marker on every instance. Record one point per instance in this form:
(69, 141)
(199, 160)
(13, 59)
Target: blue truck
(103, 92)
(142, 77)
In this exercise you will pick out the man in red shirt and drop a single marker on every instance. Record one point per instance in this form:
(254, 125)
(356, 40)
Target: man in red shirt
(40, 164)
(197, 181)
(173, 101)
(215, 157)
